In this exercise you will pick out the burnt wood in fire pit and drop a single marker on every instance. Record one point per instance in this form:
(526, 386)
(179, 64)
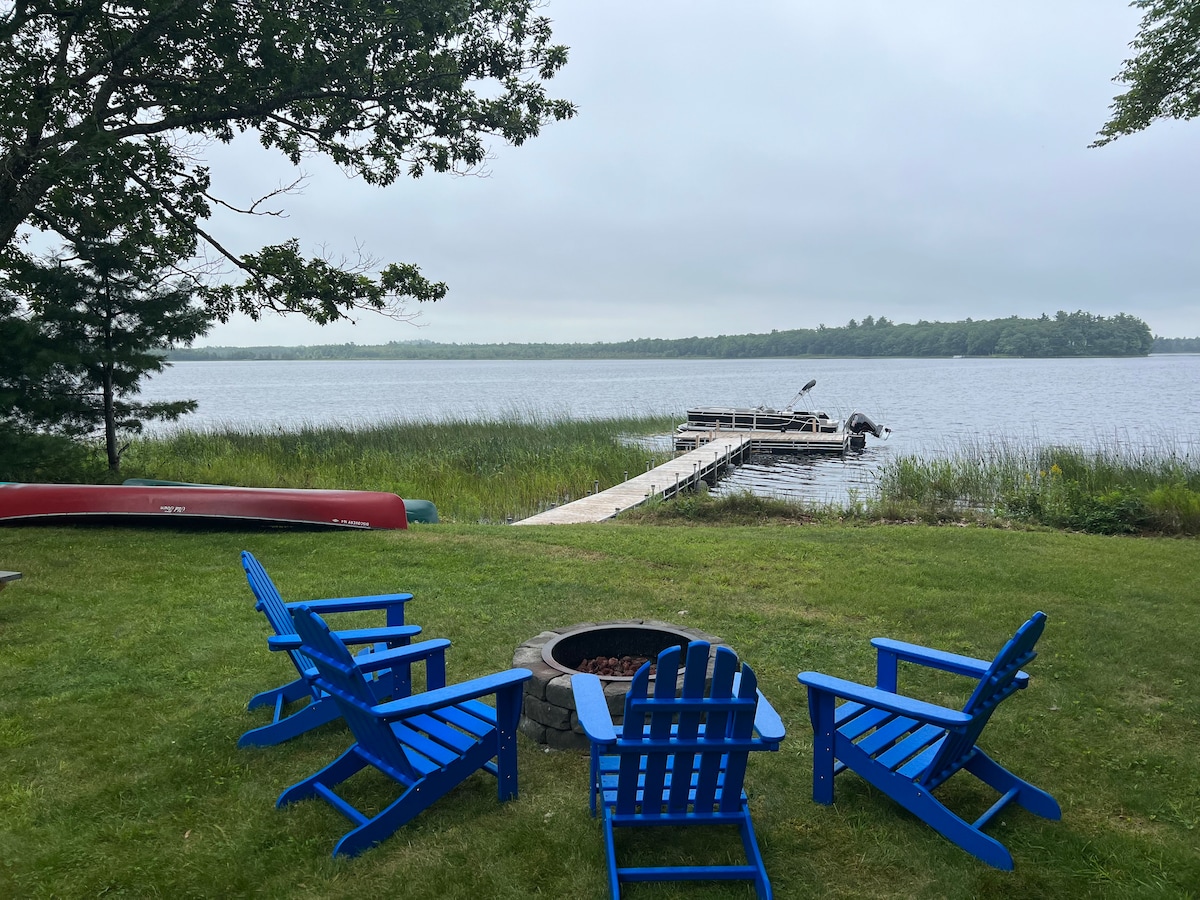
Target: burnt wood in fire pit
(625, 667)
(554, 656)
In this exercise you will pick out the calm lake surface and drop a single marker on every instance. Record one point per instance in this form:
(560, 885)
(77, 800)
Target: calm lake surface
(933, 406)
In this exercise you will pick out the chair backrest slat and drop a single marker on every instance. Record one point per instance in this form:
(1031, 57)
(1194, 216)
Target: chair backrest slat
(717, 728)
(688, 726)
(998, 683)
(340, 677)
(631, 732)
(666, 679)
(741, 729)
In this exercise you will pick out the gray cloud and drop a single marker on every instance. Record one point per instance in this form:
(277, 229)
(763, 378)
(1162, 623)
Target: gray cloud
(781, 164)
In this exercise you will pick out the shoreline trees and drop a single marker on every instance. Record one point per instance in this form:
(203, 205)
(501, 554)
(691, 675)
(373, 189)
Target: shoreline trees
(1065, 334)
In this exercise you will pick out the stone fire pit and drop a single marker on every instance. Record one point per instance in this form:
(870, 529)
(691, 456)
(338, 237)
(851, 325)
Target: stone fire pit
(549, 712)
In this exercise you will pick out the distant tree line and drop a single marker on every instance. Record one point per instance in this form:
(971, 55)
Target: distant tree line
(1064, 334)
(1176, 345)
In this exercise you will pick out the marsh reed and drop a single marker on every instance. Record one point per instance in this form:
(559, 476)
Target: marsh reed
(1108, 490)
(472, 470)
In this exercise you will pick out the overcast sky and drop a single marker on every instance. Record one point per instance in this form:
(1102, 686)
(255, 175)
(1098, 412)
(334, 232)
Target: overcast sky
(780, 164)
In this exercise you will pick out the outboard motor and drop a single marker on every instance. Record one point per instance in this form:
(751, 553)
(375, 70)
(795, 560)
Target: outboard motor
(859, 423)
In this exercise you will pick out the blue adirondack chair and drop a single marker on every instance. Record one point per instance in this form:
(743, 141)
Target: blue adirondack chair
(679, 760)
(428, 743)
(319, 709)
(907, 748)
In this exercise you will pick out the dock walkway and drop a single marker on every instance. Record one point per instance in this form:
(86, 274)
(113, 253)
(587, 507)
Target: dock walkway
(714, 451)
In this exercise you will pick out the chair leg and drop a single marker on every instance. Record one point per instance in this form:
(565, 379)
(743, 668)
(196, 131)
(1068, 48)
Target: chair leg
(594, 778)
(415, 800)
(380, 827)
(390, 684)
(610, 855)
(397, 683)
(921, 803)
(1002, 781)
(820, 711)
(317, 713)
(762, 887)
(349, 763)
(280, 696)
(508, 714)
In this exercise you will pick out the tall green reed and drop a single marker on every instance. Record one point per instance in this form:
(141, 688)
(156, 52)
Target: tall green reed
(1110, 490)
(473, 470)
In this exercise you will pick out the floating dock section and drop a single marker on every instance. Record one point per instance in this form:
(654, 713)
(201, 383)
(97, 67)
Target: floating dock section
(776, 441)
(713, 451)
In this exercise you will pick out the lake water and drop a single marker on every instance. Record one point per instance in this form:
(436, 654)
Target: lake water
(933, 406)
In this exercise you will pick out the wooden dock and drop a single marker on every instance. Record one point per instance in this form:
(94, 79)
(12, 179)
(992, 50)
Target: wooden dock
(714, 451)
(774, 441)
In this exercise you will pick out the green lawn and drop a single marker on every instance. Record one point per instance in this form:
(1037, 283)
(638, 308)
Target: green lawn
(127, 656)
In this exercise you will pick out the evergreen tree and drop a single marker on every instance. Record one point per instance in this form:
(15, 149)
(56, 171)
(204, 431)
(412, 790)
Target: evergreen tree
(105, 318)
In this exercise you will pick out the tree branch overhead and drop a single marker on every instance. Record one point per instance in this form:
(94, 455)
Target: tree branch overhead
(93, 93)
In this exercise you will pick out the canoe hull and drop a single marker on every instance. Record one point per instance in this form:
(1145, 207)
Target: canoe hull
(421, 511)
(275, 506)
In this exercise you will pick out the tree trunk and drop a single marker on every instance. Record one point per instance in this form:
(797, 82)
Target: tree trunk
(110, 425)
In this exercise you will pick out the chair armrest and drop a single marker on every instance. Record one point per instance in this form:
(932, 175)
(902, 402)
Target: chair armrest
(935, 659)
(374, 635)
(767, 722)
(897, 703)
(352, 604)
(592, 708)
(385, 659)
(393, 604)
(455, 693)
(351, 636)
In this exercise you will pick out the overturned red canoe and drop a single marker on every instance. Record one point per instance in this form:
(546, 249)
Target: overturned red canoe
(279, 506)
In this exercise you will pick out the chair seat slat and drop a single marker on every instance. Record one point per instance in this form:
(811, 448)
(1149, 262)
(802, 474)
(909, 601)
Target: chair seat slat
(854, 726)
(917, 767)
(910, 746)
(889, 731)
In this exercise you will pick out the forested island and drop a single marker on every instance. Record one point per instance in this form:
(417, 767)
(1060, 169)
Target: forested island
(1064, 334)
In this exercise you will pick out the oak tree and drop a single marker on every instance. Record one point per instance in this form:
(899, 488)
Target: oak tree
(1163, 78)
(118, 97)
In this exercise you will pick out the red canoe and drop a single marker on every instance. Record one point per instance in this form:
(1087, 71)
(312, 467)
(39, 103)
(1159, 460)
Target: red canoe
(280, 506)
